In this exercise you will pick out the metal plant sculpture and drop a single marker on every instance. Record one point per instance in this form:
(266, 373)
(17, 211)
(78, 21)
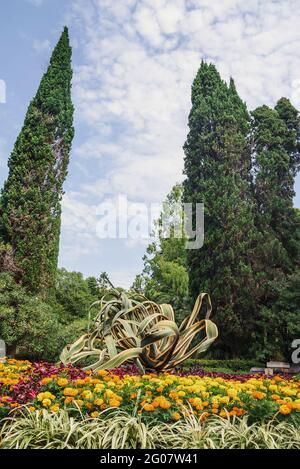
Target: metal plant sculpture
(131, 328)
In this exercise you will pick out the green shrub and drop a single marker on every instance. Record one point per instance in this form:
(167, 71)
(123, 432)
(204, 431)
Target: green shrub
(73, 293)
(225, 366)
(32, 328)
(26, 322)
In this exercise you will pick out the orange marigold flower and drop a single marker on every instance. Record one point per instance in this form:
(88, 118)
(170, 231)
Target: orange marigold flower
(46, 381)
(68, 400)
(285, 409)
(102, 373)
(149, 407)
(165, 404)
(204, 416)
(258, 395)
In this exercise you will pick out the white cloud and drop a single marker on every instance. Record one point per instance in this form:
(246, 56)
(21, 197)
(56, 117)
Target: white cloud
(132, 87)
(3, 152)
(40, 45)
(36, 3)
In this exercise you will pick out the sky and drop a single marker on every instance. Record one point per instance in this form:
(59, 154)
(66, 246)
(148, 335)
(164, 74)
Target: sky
(134, 63)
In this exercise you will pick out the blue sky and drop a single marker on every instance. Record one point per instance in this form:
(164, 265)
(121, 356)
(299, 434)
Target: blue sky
(134, 62)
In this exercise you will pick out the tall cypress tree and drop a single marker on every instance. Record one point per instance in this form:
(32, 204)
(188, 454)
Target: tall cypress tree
(217, 163)
(30, 210)
(276, 136)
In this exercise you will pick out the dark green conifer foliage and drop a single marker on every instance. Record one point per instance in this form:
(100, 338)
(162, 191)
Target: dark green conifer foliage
(276, 137)
(276, 146)
(217, 165)
(31, 199)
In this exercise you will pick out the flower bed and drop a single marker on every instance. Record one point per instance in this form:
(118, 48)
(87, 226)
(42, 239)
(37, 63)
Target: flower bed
(165, 397)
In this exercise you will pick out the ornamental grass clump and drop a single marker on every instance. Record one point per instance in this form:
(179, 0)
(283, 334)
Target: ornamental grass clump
(120, 430)
(131, 328)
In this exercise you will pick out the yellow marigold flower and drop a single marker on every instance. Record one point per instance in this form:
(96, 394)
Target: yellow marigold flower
(232, 393)
(99, 387)
(62, 382)
(223, 413)
(95, 414)
(296, 405)
(70, 392)
(79, 402)
(54, 408)
(114, 403)
(46, 402)
(45, 395)
(102, 373)
(109, 393)
(31, 408)
(98, 402)
(176, 416)
(224, 399)
(273, 387)
(275, 397)
(87, 394)
(288, 391)
(181, 393)
(285, 409)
